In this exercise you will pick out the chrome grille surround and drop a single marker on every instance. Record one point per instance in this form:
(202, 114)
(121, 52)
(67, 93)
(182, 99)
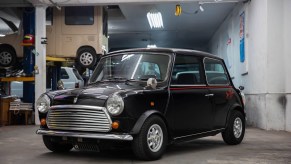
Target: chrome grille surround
(79, 118)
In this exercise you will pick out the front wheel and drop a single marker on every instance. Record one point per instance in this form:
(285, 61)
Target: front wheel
(7, 56)
(151, 142)
(234, 133)
(55, 146)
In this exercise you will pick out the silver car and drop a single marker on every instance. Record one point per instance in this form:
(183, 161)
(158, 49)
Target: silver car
(70, 77)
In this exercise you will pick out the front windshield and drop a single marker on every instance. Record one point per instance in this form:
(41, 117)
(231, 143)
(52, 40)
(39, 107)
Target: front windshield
(132, 66)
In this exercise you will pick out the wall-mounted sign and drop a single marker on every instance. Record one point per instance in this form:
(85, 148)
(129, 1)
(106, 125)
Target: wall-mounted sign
(242, 37)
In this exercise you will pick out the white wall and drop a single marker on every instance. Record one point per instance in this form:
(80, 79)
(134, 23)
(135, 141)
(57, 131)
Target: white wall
(286, 42)
(268, 48)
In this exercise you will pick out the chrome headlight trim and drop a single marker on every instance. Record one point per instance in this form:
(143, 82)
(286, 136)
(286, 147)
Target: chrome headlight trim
(43, 103)
(115, 104)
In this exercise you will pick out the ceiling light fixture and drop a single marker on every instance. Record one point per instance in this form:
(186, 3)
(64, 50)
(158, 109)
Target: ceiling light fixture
(178, 10)
(151, 46)
(2, 35)
(155, 19)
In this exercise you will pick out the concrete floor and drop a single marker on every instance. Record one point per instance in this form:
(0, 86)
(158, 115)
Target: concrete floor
(20, 145)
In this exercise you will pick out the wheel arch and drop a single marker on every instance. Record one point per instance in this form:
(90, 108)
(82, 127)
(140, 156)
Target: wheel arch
(5, 45)
(83, 47)
(236, 107)
(136, 128)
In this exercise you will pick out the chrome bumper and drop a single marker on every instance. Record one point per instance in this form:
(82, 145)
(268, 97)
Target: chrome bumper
(123, 137)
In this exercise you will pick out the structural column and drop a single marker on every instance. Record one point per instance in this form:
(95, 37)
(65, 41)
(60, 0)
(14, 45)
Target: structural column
(40, 54)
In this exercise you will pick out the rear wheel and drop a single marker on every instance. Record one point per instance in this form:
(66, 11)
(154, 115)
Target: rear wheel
(234, 133)
(7, 56)
(151, 142)
(86, 57)
(55, 146)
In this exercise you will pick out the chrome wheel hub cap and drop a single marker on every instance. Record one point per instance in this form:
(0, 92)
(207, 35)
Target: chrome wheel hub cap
(237, 127)
(155, 138)
(5, 58)
(86, 58)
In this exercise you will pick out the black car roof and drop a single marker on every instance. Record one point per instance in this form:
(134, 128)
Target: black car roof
(167, 50)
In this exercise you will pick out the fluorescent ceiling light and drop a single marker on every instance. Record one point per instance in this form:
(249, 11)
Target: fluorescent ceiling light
(201, 8)
(152, 46)
(155, 19)
(2, 35)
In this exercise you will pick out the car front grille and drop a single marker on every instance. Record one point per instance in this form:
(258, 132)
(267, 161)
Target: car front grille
(79, 118)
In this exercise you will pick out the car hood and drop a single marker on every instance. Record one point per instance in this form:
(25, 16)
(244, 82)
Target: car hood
(93, 95)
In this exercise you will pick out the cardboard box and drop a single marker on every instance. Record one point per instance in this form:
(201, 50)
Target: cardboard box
(4, 109)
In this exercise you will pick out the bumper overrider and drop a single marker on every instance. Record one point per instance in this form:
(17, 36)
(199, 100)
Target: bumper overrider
(80, 121)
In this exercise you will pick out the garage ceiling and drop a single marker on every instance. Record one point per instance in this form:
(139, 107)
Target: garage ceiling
(129, 28)
(189, 30)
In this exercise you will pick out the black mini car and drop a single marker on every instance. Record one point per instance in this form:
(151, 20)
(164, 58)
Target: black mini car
(146, 98)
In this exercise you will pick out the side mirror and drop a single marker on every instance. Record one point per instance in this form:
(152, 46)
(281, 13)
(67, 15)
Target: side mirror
(152, 83)
(241, 88)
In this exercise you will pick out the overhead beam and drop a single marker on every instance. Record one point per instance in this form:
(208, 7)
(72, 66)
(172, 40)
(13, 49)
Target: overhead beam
(116, 2)
(15, 3)
(29, 3)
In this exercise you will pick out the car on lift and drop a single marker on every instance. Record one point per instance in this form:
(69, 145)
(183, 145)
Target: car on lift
(146, 98)
(69, 76)
(69, 35)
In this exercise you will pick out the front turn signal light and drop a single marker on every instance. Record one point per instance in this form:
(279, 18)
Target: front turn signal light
(43, 122)
(115, 125)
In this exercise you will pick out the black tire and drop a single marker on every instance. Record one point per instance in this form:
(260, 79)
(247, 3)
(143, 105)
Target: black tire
(86, 57)
(55, 146)
(8, 56)
(229, 136)
(140, 144)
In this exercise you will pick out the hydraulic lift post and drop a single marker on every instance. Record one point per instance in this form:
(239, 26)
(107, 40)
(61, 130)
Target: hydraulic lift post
(29, 57)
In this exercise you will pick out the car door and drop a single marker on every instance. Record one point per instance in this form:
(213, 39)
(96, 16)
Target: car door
(220, 89)
(189, 110)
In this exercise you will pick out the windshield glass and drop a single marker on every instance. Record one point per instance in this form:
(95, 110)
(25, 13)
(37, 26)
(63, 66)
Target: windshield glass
(132, 66)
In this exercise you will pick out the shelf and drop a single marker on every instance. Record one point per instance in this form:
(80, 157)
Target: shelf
(9, 79)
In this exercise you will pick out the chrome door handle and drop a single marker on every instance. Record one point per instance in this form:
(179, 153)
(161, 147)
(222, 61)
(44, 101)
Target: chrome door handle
(209, 95)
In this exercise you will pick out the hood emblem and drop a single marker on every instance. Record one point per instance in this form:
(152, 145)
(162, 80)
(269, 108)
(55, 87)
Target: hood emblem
(75, 100)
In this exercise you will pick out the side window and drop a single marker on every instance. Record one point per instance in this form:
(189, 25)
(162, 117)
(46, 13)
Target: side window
(187, 71)
(64, 74)
(215, 72)
(49, 16)
(81, 15)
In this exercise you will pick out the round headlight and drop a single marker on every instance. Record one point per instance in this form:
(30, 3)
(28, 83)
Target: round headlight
(115, 104)
(43, 103)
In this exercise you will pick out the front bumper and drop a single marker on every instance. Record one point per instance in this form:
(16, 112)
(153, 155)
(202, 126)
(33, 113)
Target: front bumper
(120, 137)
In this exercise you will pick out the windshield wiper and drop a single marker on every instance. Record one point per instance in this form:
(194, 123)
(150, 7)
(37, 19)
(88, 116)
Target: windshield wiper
(114, 78)
(120, 78)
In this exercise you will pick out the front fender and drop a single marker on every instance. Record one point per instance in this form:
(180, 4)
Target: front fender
(142, 118)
